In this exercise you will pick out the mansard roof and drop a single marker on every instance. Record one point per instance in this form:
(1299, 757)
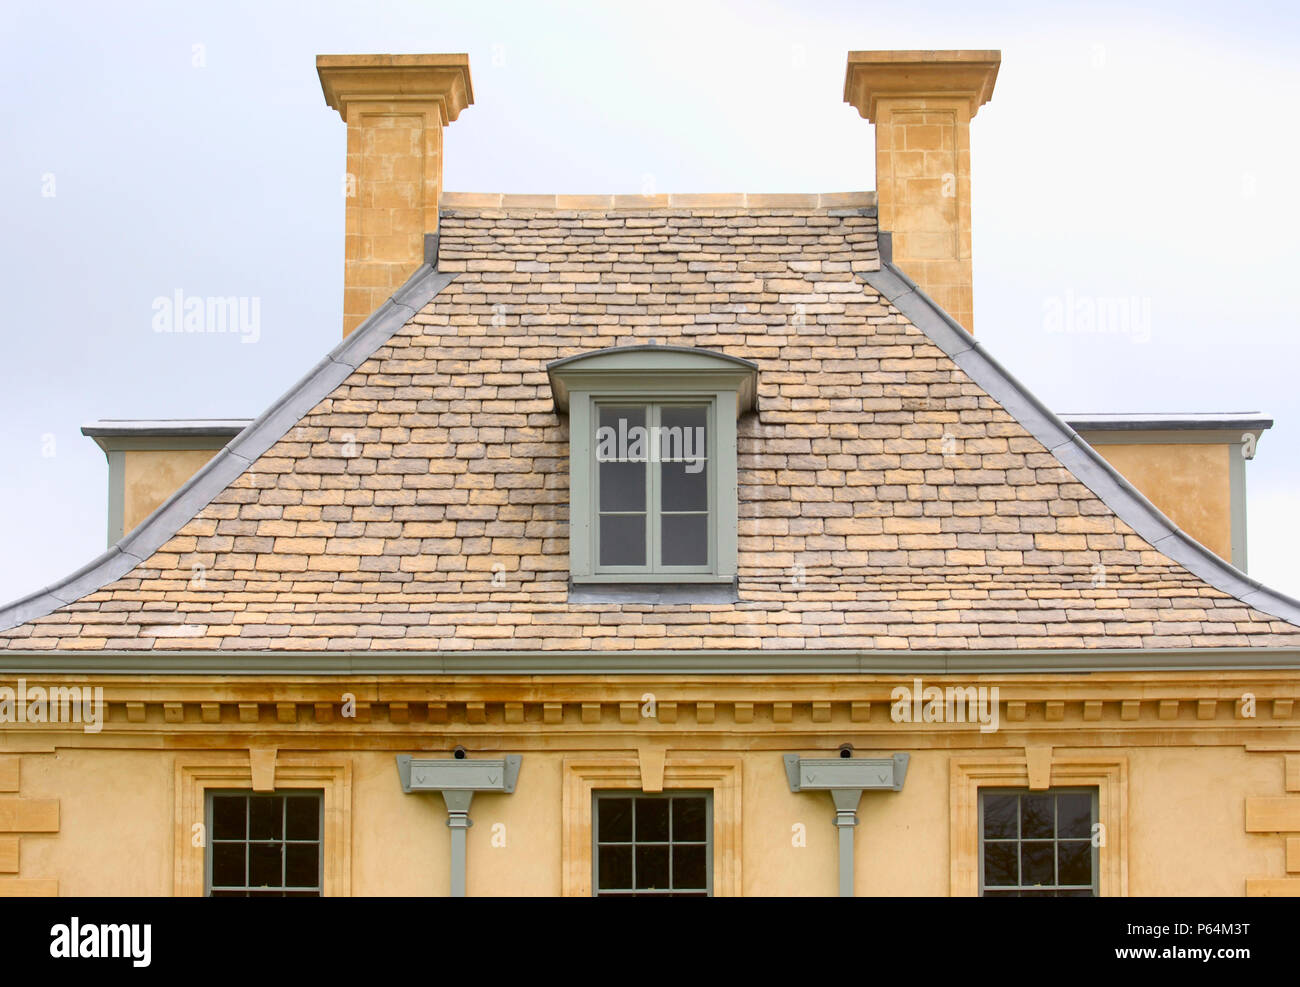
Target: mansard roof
(898, 489)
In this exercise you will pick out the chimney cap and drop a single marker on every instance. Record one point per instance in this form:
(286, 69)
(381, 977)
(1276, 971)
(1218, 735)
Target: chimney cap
(439, 79)
(903, 74)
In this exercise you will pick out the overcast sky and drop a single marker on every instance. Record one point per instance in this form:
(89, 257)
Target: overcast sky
(1146, 154)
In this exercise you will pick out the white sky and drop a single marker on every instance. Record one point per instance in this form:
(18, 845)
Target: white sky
(1139, 153)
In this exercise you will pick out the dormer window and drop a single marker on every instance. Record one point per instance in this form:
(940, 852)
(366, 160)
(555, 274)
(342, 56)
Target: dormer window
(652, 487)
(652, 462)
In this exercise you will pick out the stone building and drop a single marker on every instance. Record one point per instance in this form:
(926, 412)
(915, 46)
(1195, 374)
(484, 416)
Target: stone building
(671, 544)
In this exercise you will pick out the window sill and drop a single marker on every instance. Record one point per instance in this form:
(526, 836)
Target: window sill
(653, 593)
(643, 578)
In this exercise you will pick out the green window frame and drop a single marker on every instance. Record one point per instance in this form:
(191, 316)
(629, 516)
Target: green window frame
(656, 844)
(655, 377)
(652, 506)
(1038, 844)
(264, 844)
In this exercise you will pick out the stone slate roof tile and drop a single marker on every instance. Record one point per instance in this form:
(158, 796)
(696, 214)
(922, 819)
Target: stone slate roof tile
(887, 501)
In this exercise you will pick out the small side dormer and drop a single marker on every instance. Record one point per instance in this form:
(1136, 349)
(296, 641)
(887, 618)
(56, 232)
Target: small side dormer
(148, 461)
(1190, 466)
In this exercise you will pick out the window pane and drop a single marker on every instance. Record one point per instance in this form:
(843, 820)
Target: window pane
(684, 490)
(621, 433)
(682, 434)
(651, 820)
(615, 867)
(622, 539)
(228, 865)
(622, 486)
(1036, 817)
(614, 819)
(1036, 864)
(685, 539)
(301, 868)
(683, 454)
(1074, 815)
(264, 865)
(689, 864)
(651, 844)
(258, 855)
(1075, 861)
(228, 817)
(302, 818)
(689, 819)
(265, 820)
(652, 867)
(1000, 817)
(622, 450)
(1000, 865)
(1046, 836)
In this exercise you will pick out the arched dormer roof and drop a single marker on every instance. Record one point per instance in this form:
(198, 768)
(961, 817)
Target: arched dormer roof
(649, 365)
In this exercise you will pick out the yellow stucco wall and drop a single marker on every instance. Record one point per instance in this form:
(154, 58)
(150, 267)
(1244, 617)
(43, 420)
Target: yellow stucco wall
(154, 475)
(117, 811)
(1188, 482)
(1187, 828)
(115, 821)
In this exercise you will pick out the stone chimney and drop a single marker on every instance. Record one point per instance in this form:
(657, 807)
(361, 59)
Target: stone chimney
(395, 107)
(922, 103)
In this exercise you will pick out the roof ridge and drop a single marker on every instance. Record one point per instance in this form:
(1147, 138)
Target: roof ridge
(238, 454)
(668, 200)
(1070, 449)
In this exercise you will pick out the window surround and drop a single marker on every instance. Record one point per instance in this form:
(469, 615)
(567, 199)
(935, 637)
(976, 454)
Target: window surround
(1039, 769)
(196, 773)
(653, 375)
(586, 774)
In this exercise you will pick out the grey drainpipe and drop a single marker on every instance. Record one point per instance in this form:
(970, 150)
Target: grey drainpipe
(846, 778)
(457, 779)
(459, 822)
(846, 818)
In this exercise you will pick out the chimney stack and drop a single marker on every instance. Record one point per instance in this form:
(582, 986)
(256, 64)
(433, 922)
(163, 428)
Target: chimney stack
(922, 103)
(395, 107)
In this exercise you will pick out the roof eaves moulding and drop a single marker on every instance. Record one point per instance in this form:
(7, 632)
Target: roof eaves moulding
(1247, 421)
